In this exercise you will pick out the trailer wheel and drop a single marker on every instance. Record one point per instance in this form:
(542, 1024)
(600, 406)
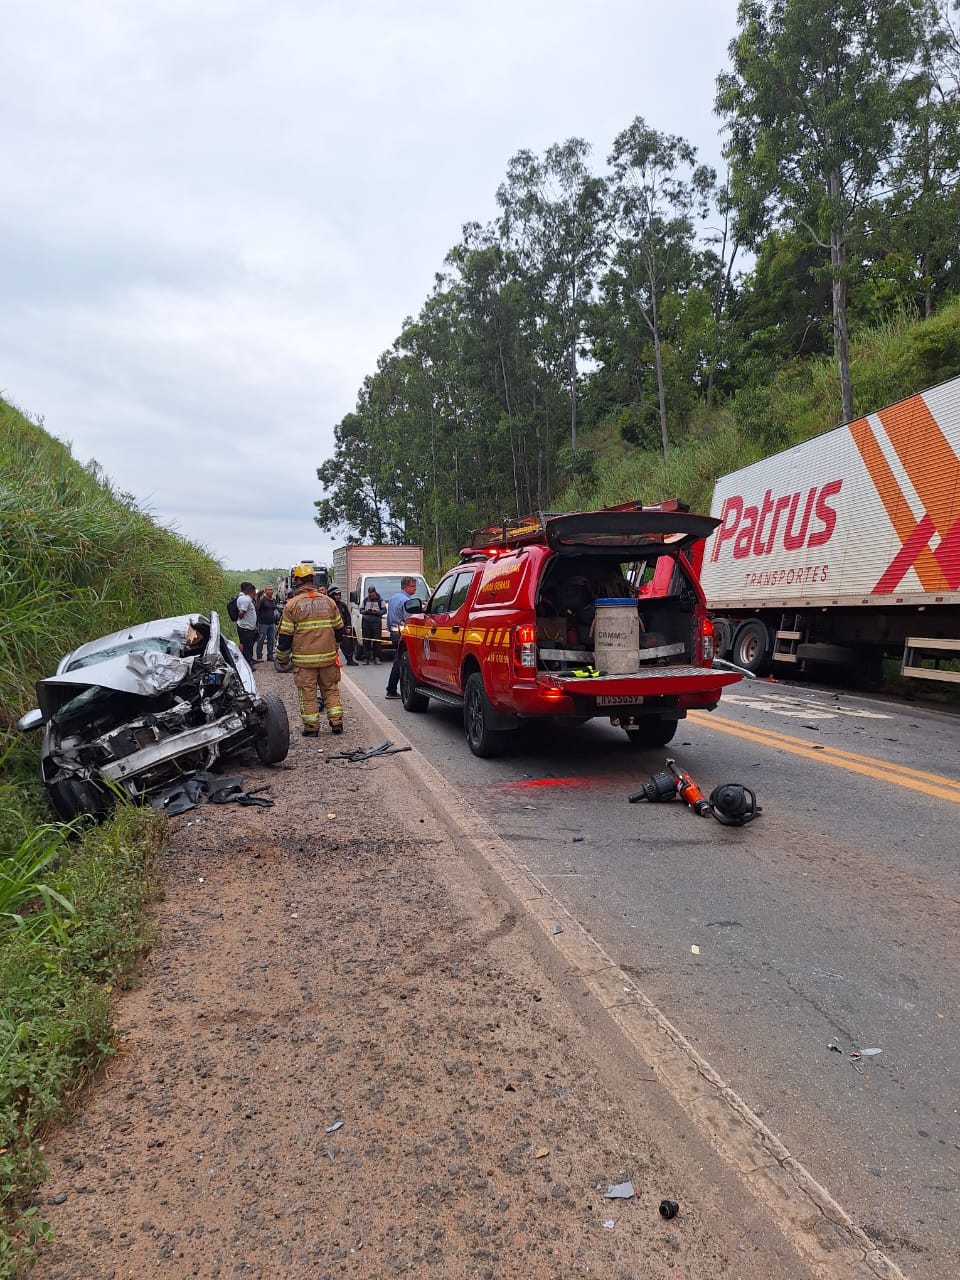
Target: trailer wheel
(722, 635)
(751, 647)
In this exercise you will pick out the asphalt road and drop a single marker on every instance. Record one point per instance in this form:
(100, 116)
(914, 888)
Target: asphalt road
(832, 920)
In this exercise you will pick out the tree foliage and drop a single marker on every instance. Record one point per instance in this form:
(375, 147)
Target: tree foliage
(604, 304)
(812, 106)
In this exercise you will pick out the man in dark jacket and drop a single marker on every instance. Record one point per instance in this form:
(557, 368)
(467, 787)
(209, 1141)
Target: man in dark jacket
(348, 640)
(372, 610)
(268, 615)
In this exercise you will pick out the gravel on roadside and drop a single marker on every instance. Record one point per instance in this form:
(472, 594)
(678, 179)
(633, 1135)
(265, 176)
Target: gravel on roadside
(341, 1059)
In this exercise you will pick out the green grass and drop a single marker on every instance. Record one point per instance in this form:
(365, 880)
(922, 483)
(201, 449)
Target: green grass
(889, 362)
(77, 560)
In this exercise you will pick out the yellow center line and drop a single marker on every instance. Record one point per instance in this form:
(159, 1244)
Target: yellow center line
(930, 784)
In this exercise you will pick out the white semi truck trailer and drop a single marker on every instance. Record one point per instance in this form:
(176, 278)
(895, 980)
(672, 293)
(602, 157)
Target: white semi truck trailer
(845, 549)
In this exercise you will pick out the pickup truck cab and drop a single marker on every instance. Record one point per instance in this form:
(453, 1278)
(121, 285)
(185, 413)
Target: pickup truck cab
(510, 634)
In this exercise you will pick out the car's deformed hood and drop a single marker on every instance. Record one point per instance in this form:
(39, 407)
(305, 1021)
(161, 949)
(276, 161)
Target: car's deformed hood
(138, 668)
(144, 673)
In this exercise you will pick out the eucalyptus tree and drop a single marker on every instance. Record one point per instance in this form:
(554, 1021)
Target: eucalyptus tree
(552, 222)
(656, 193)
(916, 222)
(355, 497)
(812, 105)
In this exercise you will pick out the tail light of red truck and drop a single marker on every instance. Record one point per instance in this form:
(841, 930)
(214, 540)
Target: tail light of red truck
(705, 657)
(525, 652)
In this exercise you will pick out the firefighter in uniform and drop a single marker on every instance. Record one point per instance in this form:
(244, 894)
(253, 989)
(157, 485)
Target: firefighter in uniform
(310, 631)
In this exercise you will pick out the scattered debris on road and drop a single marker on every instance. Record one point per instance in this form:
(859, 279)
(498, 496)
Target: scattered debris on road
(621, 1191)
(359, 754)
(183, 796)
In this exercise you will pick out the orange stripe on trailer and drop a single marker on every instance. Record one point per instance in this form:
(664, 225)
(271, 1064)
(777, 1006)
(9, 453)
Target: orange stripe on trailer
(897, 508)
(927, 458)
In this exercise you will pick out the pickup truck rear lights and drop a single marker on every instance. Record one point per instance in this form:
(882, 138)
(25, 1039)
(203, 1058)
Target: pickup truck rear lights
(525, 650)
(706, 640)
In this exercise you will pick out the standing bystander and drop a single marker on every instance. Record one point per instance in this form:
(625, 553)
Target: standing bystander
(247, 619)
(396, 616)
(371, 624)
(268, 615)
(348, 641)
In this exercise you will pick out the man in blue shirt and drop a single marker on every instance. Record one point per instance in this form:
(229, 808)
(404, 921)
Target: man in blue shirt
(396, 616)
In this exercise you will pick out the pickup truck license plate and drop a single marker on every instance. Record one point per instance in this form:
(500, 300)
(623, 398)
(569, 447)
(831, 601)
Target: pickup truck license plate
(618, 700)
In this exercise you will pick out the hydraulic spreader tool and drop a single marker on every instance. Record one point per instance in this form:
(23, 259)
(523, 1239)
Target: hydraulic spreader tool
(731, 803)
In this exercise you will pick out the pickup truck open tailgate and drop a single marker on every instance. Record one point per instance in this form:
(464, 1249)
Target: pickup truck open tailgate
(656, 682)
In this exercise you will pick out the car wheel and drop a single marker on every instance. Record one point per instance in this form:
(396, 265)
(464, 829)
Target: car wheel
(77, 798)
(477, 715)
(751, 647)
(412, 701)
(652, 733)
(273, 740)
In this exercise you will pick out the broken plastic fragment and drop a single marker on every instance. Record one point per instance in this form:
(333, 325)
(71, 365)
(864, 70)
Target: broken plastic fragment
(608, 1225)
(544, 1151)
(695, 949)
(332, 1128)
(869, 1053)
(558, 928)
(622, 1191)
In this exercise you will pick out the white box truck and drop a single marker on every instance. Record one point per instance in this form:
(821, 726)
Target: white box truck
(845, 549)
(358, 567)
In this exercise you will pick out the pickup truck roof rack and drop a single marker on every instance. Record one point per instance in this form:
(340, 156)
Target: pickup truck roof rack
(529, 529)
(511, 533)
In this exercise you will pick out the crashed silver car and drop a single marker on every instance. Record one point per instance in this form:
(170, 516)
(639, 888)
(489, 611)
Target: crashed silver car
(143, 707)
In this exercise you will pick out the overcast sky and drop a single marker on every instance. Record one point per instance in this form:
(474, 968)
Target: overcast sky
(216, 214)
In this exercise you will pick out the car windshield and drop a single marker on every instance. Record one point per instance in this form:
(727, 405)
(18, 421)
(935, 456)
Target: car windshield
(172, 645)
(388, 584)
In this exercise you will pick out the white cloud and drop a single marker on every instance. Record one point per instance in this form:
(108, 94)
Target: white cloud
(217, 213)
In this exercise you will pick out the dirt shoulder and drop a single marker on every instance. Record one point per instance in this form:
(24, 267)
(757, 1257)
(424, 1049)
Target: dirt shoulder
(345, 1057)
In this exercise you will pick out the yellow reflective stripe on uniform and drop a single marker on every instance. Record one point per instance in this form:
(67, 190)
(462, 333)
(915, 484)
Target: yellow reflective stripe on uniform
(309, 711)
(315, 659)
(319, 623)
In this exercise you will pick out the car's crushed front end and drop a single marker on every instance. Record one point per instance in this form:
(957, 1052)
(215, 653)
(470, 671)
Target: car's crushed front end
(137, 710)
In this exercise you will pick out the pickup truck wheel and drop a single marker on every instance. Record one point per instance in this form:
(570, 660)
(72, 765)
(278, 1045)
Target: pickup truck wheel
(412, 701)
(652, 733)
(477, 714)
(273, 740)
(751, 647)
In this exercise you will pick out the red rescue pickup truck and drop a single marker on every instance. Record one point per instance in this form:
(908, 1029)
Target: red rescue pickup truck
(511, 634)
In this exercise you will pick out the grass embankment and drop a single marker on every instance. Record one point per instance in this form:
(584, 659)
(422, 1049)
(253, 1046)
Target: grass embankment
(77, 560)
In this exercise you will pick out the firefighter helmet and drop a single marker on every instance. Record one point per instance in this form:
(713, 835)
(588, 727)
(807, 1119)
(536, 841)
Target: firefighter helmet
(302, 571)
